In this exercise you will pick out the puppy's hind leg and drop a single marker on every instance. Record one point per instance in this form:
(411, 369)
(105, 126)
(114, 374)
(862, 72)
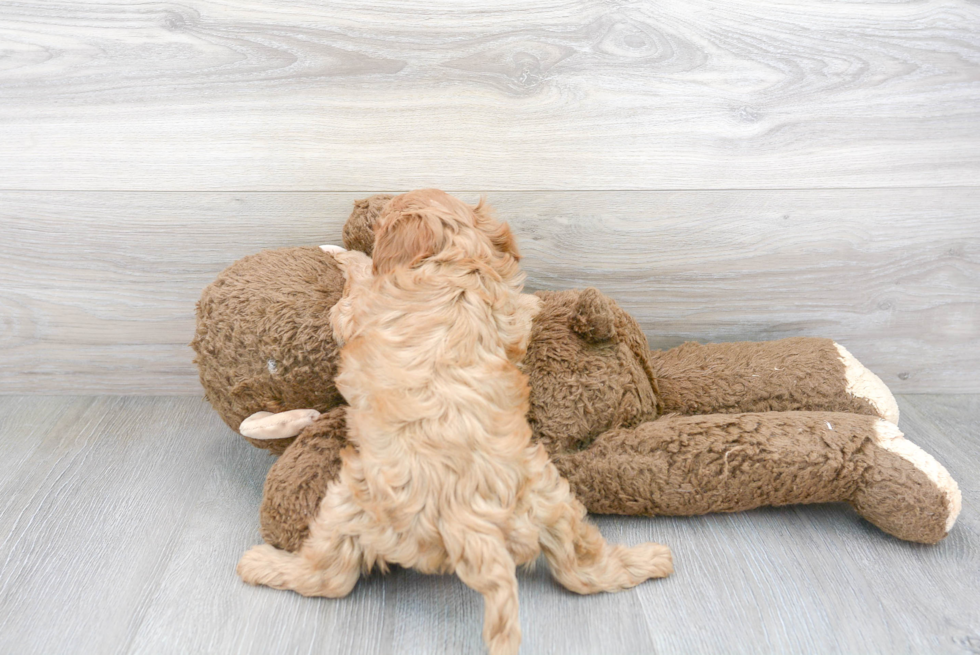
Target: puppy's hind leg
(328, 564)
(488, 568)
(332, 575)
(578, 555)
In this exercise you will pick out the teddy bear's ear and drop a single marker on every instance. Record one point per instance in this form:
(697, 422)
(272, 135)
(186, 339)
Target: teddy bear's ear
(594, 319)
(359, 228)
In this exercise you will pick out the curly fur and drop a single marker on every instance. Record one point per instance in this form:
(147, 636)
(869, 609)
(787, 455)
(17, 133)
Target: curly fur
(444, 477)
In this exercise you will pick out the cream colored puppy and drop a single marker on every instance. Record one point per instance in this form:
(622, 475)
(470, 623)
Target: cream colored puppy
(444, 477)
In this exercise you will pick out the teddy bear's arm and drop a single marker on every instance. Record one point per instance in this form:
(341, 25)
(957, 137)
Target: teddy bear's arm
(687, 465)
(282, 425)
(807, 374)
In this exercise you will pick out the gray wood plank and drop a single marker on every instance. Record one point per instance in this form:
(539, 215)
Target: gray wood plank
(812, 579)
(122, 533)
(227, 95)
(199, 591)
(29, 423)
(91, 522)
(97, 289)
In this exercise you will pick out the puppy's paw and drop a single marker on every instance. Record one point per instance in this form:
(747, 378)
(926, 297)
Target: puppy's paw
(263, 565)
(646, 561)
(266, 425)
(332, 249)
(356, 266)
(661, 562)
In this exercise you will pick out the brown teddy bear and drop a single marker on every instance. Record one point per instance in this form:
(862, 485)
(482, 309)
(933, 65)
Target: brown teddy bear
(691, 430)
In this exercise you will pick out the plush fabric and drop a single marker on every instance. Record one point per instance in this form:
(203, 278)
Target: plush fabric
(298, 479)
(263, 340)
(776, 376)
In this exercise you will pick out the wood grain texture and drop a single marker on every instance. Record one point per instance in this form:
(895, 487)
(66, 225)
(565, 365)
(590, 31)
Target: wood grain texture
(243, 95)
(123, 518)
(97, 290)
(94, 515)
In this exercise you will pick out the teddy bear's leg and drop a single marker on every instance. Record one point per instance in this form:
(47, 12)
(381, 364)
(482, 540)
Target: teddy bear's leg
(905, 487)
(686, 465)
(797, 374)
(298, 480)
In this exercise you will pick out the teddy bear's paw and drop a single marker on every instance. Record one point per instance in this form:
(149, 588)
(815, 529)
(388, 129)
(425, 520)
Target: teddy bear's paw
(907, 493)
(266, 425)
(332, 249)
(864, 384)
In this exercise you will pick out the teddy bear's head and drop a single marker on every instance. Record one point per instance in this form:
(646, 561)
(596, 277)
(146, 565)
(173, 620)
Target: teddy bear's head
(264, 343)
(263, 338)
(588, 365)
(359, 228)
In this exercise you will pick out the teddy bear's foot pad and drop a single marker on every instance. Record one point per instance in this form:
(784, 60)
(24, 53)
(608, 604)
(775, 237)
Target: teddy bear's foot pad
(907, 493)
(862, 383)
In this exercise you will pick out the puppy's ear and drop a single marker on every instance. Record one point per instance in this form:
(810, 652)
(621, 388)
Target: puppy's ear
(503, 240)
(499, 233)
(403, 242)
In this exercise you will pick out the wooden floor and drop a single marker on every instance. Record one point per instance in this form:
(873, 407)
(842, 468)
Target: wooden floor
(122, 518)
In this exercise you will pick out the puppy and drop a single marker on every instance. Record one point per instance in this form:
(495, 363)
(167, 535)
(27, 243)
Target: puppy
(444, 478)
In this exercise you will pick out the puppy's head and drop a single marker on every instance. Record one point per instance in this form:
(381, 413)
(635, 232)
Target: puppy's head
(424, 224)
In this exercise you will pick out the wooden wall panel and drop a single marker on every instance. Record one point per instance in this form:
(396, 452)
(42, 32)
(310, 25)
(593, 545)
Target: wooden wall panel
(241, 95)
(97, 289)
